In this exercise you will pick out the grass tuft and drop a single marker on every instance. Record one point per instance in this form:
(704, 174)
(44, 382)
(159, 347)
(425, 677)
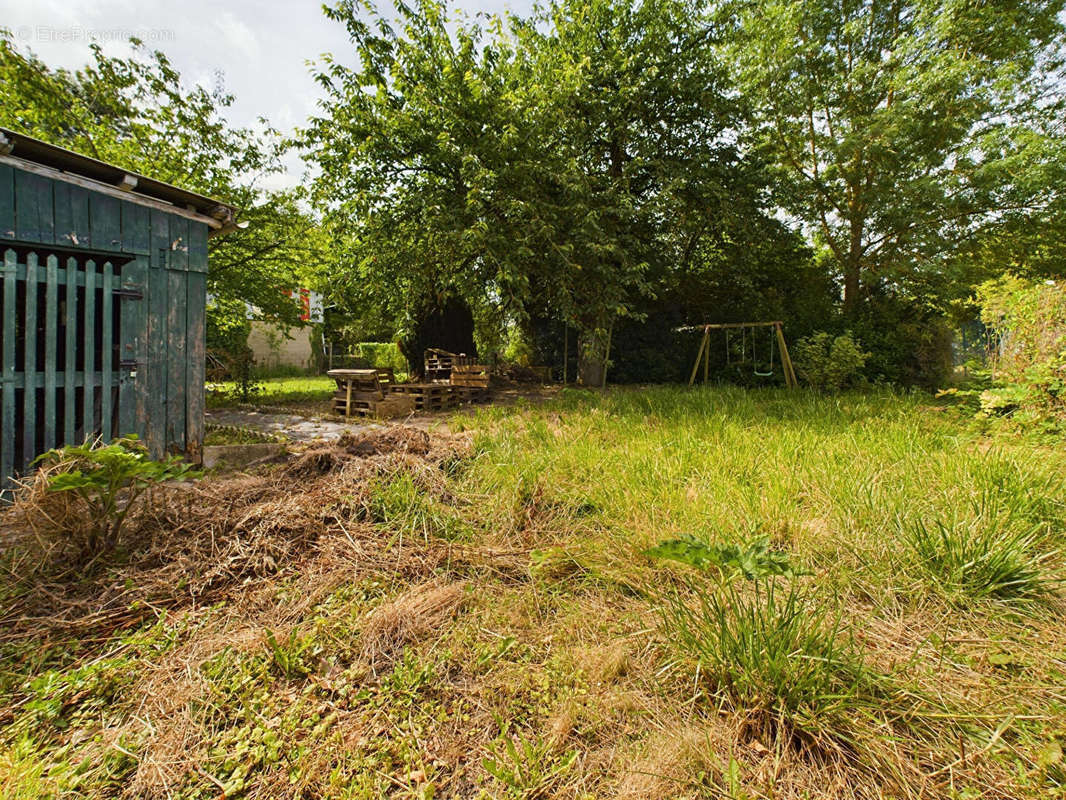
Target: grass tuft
(974, 559)
(777, 655)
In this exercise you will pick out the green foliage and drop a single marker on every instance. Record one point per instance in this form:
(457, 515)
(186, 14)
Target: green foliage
(561, 165)
(295, 657)
(753, 560)
(245, 386)
(979, 559)
(137, 112)
(109, 480)
(776, 653)
(381, 354)
(1028, 360)
(829, 363)
(898, 130)
(528, 768)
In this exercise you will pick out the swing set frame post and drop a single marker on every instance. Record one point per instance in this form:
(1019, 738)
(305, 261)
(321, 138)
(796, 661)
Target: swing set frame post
(704, 352)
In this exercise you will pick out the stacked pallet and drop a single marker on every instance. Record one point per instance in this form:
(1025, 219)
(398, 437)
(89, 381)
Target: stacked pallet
(427, 396)
(364, 392)
(439, 363)
(470, 382)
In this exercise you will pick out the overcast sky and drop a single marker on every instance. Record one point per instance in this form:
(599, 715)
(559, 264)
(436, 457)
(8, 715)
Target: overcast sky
(260, 47)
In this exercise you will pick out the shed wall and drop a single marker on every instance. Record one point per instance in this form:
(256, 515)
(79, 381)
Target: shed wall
(159, 262)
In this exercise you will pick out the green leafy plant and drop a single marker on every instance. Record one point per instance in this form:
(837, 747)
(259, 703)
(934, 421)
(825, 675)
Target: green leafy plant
(529, 768)
(294, 657)
(977, 559)
(246, 384)
(1027, 356)
(109, 480)
(829, 363)
(753, 560)
(778, 655)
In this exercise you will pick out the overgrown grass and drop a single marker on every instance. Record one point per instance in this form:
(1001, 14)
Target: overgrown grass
(979, 559)
(492, 625)
(277, 391)
(775, 653)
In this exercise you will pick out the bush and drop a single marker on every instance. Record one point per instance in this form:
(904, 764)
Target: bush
(1027, 320)
(381, 354)
(107, 481)
(829, 363)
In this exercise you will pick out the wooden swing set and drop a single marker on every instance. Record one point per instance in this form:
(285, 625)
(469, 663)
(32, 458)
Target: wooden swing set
(777, 335)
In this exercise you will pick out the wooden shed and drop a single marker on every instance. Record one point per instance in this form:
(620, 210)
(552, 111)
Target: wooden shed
(103, 285)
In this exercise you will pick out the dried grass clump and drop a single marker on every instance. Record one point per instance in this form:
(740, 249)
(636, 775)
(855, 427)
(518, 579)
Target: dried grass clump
(409, 618)
(40, 514)
(196, 543)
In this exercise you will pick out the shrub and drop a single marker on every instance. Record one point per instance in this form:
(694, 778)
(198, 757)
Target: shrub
(108, 480)
(978, 559)
(777, 655)
(1027, 320)
(829, 363)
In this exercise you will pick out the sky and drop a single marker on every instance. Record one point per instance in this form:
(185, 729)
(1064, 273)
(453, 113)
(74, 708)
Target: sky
(260, 48)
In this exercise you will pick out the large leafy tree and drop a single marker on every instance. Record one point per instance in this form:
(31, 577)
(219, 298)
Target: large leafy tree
(902, 129)
(136, 112)
(428, 158)
(567, 165)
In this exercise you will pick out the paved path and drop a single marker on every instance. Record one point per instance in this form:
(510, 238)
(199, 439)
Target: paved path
(294, 426)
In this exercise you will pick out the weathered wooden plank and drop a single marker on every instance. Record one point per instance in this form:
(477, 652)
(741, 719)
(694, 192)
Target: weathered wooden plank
(156, 327)
(70, 366)
(195, 351)
(51, 312)
(133, 386)
(175, 332)
(72, 215)
(27, 206)
(88, 357)
(7, 375)
(197, 247)
(29, 396)
(7, 201)
(107, 378)
(105, 222)
(136, 228)
(179, 244)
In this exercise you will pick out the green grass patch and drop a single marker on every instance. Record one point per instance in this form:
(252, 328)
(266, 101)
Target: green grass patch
(276, 391)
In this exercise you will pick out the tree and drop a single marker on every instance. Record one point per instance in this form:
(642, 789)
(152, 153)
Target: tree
(137, 113)
(563, 165)
(895, 125)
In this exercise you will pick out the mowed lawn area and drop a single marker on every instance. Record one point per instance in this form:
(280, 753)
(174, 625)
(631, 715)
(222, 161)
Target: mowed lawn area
(862, 599)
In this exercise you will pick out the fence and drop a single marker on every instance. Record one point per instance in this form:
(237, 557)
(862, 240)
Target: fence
(59, 350)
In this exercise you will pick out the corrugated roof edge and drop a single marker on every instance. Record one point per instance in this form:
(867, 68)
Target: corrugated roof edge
(34, 150)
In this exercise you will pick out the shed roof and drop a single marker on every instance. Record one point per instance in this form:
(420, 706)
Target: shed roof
(68, 165)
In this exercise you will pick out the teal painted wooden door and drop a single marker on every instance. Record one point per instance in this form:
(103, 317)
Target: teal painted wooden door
(62, 341)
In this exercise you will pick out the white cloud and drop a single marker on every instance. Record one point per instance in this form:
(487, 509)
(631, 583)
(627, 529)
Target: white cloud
(260, 47)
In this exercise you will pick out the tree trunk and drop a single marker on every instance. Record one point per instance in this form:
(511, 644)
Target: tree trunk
(853, 264)
(851, 289)
(591, 358)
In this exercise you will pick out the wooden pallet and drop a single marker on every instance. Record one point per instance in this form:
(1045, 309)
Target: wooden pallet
(395, 405)
(476, 375)
(439, 363)
(427, 396)
(356, 389)
(471, 394)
